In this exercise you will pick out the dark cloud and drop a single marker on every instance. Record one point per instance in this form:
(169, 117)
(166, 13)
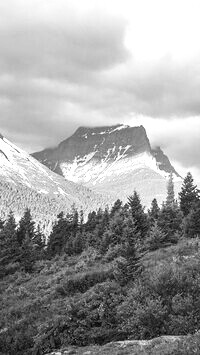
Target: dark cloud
(62, 69)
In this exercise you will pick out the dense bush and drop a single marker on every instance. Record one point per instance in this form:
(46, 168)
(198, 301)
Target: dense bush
(82, 282)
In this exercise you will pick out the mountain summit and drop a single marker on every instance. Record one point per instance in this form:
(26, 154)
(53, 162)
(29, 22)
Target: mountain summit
(112, 159)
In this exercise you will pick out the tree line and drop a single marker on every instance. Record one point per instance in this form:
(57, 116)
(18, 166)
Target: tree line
(124, 230)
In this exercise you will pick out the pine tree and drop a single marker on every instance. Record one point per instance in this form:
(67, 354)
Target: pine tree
(56, 241)
(138, 214)
(157, 239)
(1, 224)
(75, 221)
(81, 223)
(153, 212)
(189, 194)
(192, 222)
(9, 248)
(26, 225)
(129, 266)
(116, 207)
(170, 222)
(170, 191)
(27, 254)
(39, 242)
(91, 222)
(78, 243)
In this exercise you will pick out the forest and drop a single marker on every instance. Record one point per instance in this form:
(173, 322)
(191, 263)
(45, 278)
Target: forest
(121, 273)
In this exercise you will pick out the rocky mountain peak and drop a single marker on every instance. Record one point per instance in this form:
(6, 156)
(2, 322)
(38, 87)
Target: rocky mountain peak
(109, 157)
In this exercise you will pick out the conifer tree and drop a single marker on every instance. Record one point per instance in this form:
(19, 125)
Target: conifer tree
(157, 239)
(170, 191)
(9, 248)
(192, 222)
(81, 224)
(39, 242)
(75, 221)
(1, 224)
(153, 212)
(170, 222)
(116, 207)
(91, 222)
(78, 243)
(57, 237)
(189, 194)
(138, 214)
(26, 226)
(129, 265)
(27, 254)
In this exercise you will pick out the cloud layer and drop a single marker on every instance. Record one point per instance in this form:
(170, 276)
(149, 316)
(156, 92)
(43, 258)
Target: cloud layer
(64, 64)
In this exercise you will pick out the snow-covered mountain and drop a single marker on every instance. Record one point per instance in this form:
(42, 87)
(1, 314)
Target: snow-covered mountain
(24, 182)
(112, 160)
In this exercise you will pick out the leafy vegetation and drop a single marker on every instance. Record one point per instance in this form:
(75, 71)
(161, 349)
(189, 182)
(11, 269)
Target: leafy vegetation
(123, 274)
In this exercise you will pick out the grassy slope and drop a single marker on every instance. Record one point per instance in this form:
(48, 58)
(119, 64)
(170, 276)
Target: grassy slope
(36, 299)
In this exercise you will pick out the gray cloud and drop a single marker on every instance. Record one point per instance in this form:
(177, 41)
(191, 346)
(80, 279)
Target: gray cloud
(59, 72)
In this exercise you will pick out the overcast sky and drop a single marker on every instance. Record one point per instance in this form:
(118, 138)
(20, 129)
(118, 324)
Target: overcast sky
(69, 63)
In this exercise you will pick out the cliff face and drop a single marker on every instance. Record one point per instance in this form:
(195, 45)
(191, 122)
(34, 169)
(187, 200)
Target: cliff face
(102, 142)
(163, 161)
(116, 159)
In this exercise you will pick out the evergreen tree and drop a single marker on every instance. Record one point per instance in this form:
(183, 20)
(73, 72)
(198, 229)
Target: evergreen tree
(113, 234)
(57, 238)
(157, 239)
(9, 248)
(39, 242)
(1, 224)
(26, 226)
(153, 212)
(170, 222)
(189, 194)
(170, 191)
(91, 222)
(78, 243)
(192, 222)
(138, 214)
(75, 221)
(128, 266)
(81, 224)
(116, 207)
(27, 254)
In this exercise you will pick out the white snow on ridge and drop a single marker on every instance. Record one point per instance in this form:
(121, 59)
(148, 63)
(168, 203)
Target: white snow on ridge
(108, 131)
(119, 128)
(90, 171)
(18, 166)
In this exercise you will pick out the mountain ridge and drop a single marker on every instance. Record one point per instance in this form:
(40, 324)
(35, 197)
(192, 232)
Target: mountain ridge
(24, 182)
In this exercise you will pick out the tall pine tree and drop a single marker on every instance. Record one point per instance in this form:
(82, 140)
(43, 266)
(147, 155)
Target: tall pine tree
(189, 195)
(170, 191)
(9, 247)
(153, 212)
(26, 226)
(138, 214)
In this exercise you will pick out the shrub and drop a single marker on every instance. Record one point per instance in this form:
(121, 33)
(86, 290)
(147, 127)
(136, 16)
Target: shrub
(82, 282)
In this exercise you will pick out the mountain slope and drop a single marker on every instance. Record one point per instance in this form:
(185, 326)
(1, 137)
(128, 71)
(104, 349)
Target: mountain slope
(114, 160)
(24, 182)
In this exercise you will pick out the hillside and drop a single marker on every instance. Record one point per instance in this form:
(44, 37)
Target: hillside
(39, 300)
(24, 182)
(116, 280)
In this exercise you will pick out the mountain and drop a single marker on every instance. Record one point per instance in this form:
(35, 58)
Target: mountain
(24, 182)
(112, 160)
